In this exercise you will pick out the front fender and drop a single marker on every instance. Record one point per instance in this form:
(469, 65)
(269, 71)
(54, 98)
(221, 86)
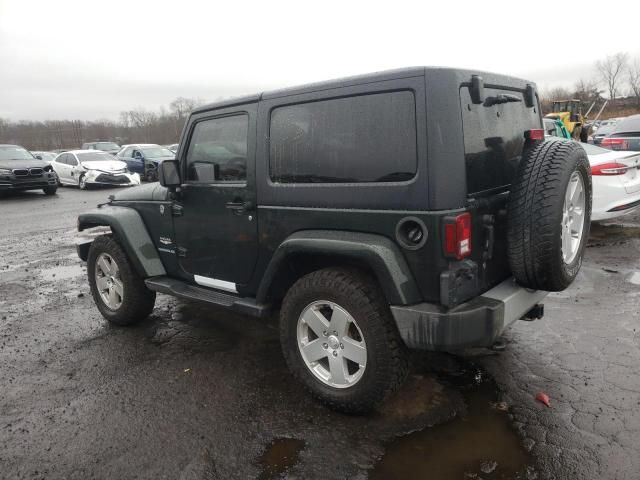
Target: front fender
(132, 234)
(378, 253)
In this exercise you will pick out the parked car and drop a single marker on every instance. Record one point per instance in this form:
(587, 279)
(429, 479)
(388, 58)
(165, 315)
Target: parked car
(616, 182)
(173, 147)
(144, 158)
(109, 147)
(90, 167)
(625, 135)
(346, 206)
(45, 156)
(554, 127)
(605, 128)
(20, 170)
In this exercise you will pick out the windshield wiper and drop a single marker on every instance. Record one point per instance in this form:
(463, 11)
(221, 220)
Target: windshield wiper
(502, 98)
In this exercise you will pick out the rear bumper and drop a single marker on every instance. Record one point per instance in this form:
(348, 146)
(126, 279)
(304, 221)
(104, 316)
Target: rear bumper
(476, 323)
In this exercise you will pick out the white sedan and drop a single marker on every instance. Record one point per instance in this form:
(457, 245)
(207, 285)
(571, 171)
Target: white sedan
(92, 167)
(616, 182)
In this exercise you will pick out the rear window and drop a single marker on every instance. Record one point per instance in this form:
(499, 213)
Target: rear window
(494, 139)
(628, 125)
(367, 138)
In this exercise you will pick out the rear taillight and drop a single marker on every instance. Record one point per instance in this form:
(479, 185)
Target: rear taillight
(534, 134)
(457, 236)
(614, 143)
(613, 168)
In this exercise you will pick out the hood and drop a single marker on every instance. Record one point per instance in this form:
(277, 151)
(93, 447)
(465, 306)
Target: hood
(104, 165)
(12, 164)
(149, 191)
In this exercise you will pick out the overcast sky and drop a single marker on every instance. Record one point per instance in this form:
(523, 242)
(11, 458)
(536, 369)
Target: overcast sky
(88, 59)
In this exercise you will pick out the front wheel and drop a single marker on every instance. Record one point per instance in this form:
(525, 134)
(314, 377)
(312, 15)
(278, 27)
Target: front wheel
(339, 339)
(51, 190)
(118, 291)
(82, 182)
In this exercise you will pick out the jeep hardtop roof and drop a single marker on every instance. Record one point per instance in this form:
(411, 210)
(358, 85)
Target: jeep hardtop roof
(435, 74)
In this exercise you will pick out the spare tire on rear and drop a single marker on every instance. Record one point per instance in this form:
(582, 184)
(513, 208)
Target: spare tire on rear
(549, 215)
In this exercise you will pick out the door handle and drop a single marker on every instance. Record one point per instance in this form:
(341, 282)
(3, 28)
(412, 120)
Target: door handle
(239, 207)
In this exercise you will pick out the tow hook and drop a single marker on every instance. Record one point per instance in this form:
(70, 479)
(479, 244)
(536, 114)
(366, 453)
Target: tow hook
(535, 313)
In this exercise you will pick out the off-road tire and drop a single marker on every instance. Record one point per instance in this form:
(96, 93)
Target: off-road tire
(387, 360)
(51, 190)
(137, 302)
(534, 223)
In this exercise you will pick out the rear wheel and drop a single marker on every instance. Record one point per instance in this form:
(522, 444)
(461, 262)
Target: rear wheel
(339, 339)
(118, 291)
(549, 215)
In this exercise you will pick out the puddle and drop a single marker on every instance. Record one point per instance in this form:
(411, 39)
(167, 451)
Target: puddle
(477, 444)
(279, 457)
(62, 272)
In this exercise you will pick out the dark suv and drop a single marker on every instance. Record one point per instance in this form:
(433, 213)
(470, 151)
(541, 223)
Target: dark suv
(20, 170)
(414, 208)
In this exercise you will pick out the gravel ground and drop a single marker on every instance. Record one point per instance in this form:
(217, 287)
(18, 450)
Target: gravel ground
(195, 392)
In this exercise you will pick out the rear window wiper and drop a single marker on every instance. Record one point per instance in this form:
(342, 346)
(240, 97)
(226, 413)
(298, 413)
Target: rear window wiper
(502, 98)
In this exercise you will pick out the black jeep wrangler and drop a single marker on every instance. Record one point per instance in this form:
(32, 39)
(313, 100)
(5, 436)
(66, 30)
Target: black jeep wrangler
(414, 208)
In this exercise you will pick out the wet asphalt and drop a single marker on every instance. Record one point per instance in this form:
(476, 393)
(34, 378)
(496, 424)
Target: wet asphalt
(196, 392)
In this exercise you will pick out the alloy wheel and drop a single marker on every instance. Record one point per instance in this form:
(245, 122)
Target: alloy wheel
(331, 344)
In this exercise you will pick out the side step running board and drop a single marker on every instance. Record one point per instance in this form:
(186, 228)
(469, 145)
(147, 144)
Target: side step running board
(179, 288)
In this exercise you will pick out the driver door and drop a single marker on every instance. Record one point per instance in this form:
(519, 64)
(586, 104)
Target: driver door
(216, 231)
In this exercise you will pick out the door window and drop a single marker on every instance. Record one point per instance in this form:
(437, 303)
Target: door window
(127, 152)
(218, 150)
(366, 138)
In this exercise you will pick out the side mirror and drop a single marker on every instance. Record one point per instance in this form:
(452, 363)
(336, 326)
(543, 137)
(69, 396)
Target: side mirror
(169, 174)
(137, 155)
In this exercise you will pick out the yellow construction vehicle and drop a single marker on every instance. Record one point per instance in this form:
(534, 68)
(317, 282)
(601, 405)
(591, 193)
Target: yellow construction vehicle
(569, 112)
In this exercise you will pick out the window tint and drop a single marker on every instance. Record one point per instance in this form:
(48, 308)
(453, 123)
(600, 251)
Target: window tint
(494, 139)
(368, 138)
(218, 150)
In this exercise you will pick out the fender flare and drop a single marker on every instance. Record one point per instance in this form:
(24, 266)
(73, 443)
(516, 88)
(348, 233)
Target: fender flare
(378, 253)
(131, 232)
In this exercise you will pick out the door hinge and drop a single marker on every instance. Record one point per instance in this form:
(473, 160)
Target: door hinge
(176, 210)
(181, 251)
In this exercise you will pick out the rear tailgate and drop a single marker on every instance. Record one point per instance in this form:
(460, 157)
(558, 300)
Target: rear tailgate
(494, 140)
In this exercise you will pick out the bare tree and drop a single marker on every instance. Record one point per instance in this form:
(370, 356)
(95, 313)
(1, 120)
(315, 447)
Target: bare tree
(634, 79)
(611, 69)
(547, 97)
(181, 106)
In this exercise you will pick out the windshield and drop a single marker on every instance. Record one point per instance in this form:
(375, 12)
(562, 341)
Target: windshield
(605, 129)
(12, 152)
(107, 146)
(95, 157)
(155, 152)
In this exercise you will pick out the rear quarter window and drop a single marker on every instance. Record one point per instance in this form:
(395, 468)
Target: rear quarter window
(494, 139)
(359, 139)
